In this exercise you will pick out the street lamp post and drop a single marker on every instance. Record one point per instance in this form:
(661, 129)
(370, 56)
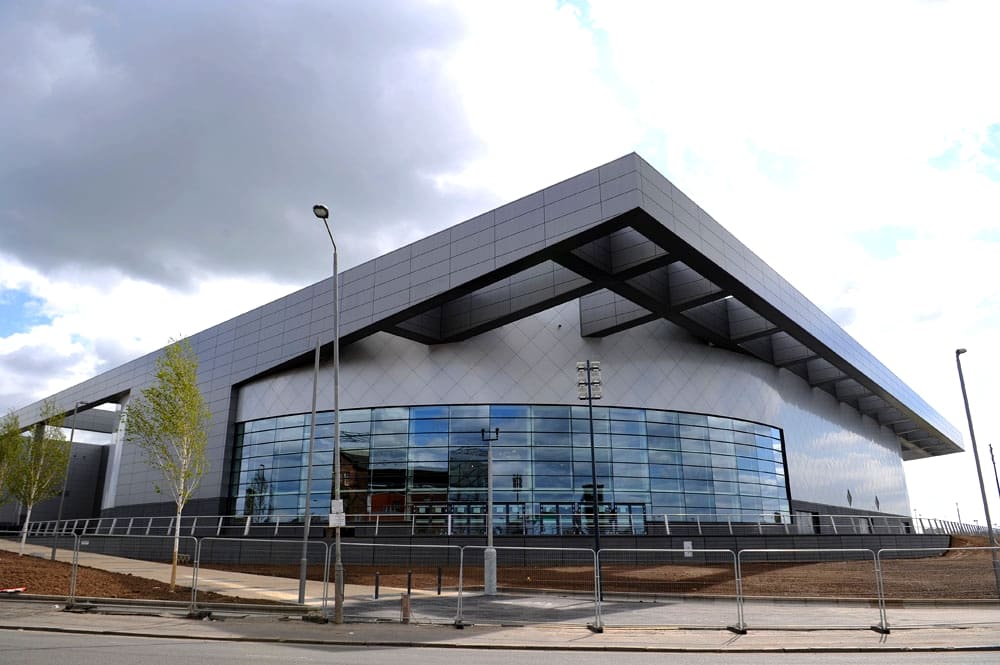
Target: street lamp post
(490, 555)
(322, 212)
(979, 470)
(62, 495)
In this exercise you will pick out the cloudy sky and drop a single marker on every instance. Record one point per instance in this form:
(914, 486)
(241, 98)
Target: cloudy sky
(159, 161)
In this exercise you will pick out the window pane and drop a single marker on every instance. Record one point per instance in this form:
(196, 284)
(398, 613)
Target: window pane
(389, 440)
(551, 411)
(691, 445)
(474, 411)
(429, 438)
(664, 457)
(428, 454)
(422, 412)
(391, 413)
(633, 483)
(628, 427)
(629, 455)
(509, 411)
(666, 484)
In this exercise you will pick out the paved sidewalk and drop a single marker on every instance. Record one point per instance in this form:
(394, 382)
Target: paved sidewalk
(967, 626)
(26, 615)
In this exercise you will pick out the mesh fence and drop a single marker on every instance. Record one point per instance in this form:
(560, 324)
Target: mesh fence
(956, 585)
(534, 585)
(408, 583)
(668, 587)
(136, 557)
(225, 563)
(831, 588)
(805, 588)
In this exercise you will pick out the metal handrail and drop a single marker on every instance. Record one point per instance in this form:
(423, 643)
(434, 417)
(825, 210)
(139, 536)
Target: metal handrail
(527, 524)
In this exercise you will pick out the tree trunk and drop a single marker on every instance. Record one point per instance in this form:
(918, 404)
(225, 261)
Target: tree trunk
(177, 544)
(24, 531)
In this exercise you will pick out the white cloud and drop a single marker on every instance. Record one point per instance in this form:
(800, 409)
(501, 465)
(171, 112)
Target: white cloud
(535, 93)
(102, 319)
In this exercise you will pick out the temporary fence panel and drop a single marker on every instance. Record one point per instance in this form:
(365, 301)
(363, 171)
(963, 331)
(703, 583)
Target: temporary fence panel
(406, 583)
(839, 588)
(143, 557)
(934, 586)
(534, 585)
(276, 566)
(668, 587)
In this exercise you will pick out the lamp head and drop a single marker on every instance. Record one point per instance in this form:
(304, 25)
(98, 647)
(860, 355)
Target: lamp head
(959, 352)
(321, 211)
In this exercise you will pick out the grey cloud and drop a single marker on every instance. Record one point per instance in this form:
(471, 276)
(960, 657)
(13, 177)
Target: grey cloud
(170, 140)
(110, 354)
(24, 373)
(36, 361)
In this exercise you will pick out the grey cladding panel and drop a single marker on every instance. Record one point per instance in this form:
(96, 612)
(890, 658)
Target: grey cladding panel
(518, 208)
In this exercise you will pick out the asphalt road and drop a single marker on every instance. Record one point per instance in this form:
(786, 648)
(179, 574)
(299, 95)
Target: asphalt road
(33, 648)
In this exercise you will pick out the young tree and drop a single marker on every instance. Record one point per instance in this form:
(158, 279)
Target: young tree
(169, 422)
(39, 464)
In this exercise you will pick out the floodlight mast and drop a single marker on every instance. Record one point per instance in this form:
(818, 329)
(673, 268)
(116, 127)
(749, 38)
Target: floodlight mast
(588, 383)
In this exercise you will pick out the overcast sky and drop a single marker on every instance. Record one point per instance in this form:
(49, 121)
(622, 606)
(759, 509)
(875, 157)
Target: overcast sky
(159, 161)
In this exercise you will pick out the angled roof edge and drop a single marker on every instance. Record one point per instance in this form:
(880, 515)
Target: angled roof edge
(620, 238)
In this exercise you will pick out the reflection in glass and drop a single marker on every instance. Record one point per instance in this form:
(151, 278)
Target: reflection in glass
(431, 460)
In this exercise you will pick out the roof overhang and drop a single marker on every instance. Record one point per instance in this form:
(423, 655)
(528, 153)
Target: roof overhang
(633, 248)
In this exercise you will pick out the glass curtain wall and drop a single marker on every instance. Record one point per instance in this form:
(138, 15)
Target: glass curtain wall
(433, 460)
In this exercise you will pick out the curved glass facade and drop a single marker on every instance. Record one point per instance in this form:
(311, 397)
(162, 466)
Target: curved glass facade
(433, 460)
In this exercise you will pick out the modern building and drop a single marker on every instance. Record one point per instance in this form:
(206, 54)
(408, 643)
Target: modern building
(725, 394)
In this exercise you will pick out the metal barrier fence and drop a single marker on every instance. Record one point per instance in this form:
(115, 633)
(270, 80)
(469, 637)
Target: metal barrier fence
(828, 588)
(222, 562)
(669, 587)
(406, 583)
(95, 554)
(957, 586)
(535, 585)
(778, 591)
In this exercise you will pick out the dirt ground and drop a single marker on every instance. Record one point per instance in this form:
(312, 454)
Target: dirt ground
(51, 578)
(956, 575)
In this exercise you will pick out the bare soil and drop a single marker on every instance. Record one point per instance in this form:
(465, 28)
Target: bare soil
(955, 575)
(52, 578)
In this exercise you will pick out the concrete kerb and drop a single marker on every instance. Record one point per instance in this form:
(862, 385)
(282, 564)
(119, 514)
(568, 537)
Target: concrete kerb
(236, 628)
